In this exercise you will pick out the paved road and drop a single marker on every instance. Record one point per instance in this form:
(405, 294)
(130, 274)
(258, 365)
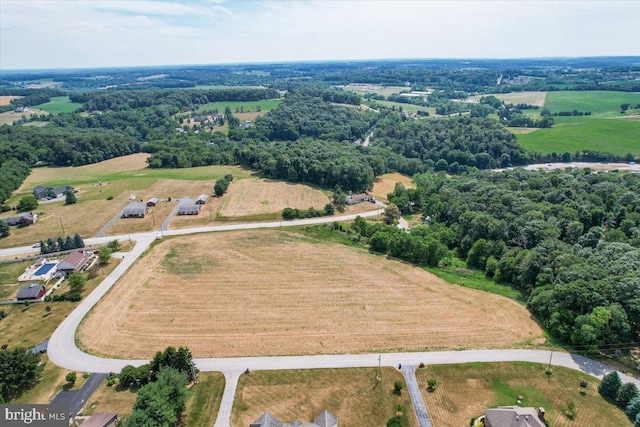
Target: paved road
(419, 407)
(110, 223)
(579, 165)
(231, 384)
(165, 223)
(76, 399)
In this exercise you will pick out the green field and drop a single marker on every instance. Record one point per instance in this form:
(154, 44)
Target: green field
(265, 105)
(571, 134)
(407, 107)
(600, 103)
(59, 104)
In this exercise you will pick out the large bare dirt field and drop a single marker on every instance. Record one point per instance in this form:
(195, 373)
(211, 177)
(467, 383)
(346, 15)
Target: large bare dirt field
(272, 292)
(6, 99)
(385, 184)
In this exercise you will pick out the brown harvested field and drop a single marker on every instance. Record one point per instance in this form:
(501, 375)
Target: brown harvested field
(8, 117)
(465, 390)
(6, 99)
(521, 131)
(531, 98)
(273, 292)
(385, 184)
(350, 394)
(256, 196)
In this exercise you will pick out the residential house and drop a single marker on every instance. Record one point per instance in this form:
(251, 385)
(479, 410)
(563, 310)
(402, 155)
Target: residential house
(31, 292)
(41, 192)
(325, 419)
(514, 416)
(24, 219)
(353, 199)
(76, 261)
(135, 210)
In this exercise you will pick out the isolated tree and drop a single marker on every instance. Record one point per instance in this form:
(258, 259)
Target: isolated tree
(77, 282)
(628, 392)
(4, 229)
(78, 242)
(177, 359)
(329, 209)
(162, 402)
(104, 255)
(70, 198)
(391, 214)
(610, 385)
(20, 369)
(339, 199)
(397, 387)
(114, 245)
(27, 203)
(71, 378)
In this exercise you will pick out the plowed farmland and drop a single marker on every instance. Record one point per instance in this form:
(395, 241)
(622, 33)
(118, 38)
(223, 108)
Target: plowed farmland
(271, 292)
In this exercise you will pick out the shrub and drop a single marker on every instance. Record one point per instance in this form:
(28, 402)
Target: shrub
(110, 382)
(71, 378)
(397, 387)
(110, 198)
(431, 384)
(633, 408)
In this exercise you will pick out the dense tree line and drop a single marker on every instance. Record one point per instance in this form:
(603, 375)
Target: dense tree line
(60, 244)
(304, 114)
(12, 173)
(570, 241)
(133, 99)
(451, 144)
(20, 369)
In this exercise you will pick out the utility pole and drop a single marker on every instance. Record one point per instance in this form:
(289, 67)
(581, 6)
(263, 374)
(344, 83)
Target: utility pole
(153, 212)
(61, 226)
(193, 372)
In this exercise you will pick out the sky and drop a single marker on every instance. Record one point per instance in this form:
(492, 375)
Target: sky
(36, 34)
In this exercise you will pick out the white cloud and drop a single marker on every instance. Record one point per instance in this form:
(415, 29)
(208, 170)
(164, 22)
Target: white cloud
(40, 34)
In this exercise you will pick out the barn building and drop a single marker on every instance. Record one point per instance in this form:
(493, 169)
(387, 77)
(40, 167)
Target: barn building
(153, 202)
(135, 210)
(188, 207)
(359, 198)
(31, 292)
(202, 199)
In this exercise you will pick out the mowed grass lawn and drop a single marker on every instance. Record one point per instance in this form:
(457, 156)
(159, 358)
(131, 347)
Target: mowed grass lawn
(406, 107)
(465, 390)
(350, 394)
(59, 104)
(572, 134)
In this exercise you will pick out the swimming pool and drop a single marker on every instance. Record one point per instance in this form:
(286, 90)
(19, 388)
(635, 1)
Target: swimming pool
(45, 268)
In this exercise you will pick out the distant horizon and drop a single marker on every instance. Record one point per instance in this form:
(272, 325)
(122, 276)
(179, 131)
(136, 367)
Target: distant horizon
(59, 34)
(320, 61)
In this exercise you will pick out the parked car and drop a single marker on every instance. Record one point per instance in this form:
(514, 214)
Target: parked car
(36, 245)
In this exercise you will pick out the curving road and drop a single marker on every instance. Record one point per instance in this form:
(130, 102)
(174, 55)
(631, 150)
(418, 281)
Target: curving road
(63, 350)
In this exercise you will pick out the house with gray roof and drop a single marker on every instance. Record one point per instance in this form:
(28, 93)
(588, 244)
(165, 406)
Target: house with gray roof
(25, 218)
(188, 206)
(514, 416)
(135, 210)
(41, 192)
(31, 292)
(353, 199)
(325, 419)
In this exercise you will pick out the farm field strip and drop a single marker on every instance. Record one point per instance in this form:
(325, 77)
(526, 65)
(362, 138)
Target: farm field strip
(386, 306)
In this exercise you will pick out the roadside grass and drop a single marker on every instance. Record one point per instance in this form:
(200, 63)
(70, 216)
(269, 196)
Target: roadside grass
(571, 134)
(29, 326)
(247, 106)
(203, 406)
(599, 102)
(59, 104)
(111, 399)
(465, 390)
(353, 395)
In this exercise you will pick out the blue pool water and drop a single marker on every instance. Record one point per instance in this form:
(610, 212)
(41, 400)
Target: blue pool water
(45, 269)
